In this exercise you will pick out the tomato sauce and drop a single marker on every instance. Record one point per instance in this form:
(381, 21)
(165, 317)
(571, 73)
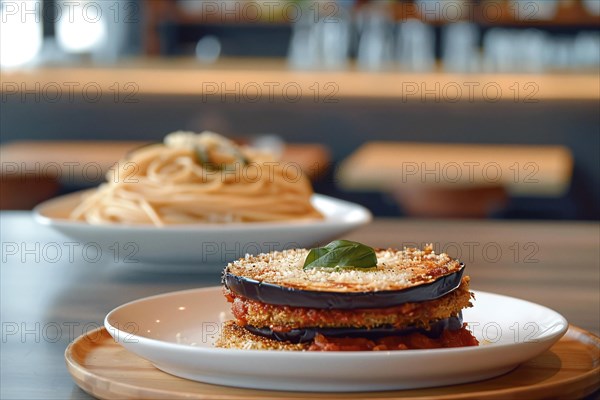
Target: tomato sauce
(458, 338)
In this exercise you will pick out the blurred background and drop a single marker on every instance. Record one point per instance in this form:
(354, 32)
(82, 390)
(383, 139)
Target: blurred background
(418, 108)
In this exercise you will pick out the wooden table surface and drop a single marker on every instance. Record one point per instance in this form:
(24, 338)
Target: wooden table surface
(34, 170)
(50, 294)
(522, 169)
(86, 161)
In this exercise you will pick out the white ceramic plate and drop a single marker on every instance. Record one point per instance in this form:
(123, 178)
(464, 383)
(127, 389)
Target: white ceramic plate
(176, 332)
(201, 244)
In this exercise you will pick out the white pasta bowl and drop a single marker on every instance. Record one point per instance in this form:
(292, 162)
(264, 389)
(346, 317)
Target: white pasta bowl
(200, 244)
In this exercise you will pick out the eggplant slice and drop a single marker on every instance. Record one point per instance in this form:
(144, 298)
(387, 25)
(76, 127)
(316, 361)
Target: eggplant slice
(280, 295)
(303, 335)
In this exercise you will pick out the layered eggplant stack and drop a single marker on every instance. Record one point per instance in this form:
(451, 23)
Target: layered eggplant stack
(346, 296)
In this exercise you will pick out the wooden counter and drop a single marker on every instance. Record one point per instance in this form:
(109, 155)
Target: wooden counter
(251, 79)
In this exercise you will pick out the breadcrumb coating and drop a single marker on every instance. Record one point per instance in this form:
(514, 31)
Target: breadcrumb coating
(395, 270)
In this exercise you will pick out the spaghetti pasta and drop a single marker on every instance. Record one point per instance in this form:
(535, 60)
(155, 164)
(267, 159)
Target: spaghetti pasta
(198, 178)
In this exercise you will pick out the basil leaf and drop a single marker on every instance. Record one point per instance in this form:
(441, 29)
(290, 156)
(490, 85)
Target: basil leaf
(203, 158)
(341, 253)
(201, 155)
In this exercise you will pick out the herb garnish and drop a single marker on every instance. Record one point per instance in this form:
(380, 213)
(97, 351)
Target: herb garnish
(341, 253)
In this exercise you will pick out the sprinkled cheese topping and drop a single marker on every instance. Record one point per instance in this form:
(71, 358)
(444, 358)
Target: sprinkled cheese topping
(395, 270)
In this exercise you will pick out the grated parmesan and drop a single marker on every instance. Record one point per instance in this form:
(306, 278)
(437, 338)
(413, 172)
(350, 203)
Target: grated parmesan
(395, 270)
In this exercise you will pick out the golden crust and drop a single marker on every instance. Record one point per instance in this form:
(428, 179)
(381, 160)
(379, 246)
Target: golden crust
(249, 312)
(395, 270)
(234, 336)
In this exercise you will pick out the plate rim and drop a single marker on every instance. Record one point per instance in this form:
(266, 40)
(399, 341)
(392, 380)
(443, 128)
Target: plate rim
(364, 217)
(553, 337)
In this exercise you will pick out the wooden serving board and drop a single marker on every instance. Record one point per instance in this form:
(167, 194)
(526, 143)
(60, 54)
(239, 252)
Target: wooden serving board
(104, 369)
